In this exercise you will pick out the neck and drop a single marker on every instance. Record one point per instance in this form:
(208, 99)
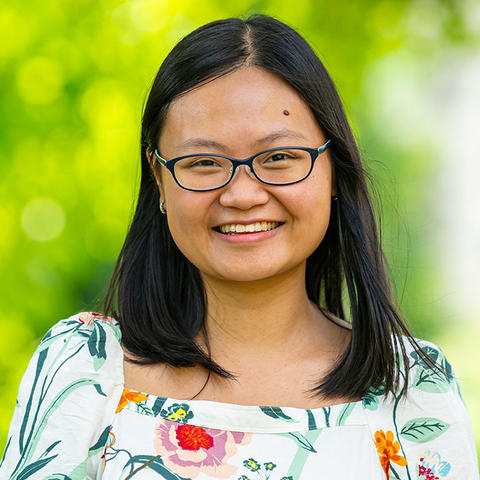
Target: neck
(271, 318)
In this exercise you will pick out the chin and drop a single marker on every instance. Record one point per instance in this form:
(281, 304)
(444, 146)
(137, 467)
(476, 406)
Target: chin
(248, 273)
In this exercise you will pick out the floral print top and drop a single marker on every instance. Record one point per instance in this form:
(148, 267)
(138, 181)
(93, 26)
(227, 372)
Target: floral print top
(75, 420)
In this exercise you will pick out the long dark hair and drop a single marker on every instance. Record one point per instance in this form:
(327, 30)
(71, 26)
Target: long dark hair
(157, 294)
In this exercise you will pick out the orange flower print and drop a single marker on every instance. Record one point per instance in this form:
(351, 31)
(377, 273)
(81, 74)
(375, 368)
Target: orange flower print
(388, 450)
(129, 396)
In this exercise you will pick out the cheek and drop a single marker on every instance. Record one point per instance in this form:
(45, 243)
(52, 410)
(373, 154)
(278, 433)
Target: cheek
(311, 209)
(186, 217)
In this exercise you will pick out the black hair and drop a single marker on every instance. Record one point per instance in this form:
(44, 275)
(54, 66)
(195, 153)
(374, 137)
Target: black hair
(158, 295)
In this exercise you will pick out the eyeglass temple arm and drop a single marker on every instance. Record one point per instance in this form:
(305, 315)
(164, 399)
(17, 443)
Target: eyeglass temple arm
(324, 146)
(159, 158)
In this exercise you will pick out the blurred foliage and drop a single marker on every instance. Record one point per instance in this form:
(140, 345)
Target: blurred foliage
(74, 76)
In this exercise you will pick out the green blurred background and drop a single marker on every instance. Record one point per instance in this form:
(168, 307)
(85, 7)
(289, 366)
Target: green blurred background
(73, 79)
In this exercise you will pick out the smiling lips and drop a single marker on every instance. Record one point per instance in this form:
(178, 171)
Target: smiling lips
(251, 227)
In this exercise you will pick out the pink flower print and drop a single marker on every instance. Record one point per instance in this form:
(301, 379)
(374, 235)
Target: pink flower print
(188, 449)
(89, 317)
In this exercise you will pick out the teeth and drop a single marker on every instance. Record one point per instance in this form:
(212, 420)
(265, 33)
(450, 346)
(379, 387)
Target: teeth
(252, 227)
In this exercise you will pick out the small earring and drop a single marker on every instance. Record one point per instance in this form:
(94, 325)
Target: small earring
(162, 203)
(334, 198)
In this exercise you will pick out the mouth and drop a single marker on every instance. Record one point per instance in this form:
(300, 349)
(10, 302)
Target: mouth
(240, 229)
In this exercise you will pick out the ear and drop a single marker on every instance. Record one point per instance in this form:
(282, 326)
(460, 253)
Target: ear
(156, 170)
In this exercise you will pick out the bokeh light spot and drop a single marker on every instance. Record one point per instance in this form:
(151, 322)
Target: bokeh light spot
(43, 219)
(40, 80)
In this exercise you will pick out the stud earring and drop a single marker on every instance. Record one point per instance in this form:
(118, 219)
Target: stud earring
(162, 203)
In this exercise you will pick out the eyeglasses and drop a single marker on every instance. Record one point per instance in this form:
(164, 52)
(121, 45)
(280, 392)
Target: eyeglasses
(202, 172)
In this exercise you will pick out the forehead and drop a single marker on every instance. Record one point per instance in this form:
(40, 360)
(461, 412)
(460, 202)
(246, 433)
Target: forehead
(237, 109)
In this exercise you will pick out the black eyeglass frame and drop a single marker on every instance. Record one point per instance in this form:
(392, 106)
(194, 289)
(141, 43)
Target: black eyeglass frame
(170, 164)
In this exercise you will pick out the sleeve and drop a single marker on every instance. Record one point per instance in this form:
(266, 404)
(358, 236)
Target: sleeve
(66, 402)
(428, 433)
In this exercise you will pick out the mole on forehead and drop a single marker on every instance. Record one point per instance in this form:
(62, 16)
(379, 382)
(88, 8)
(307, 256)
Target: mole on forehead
(286, 112)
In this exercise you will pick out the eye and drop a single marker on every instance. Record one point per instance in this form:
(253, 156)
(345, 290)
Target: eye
(278, 156)
(204, 162)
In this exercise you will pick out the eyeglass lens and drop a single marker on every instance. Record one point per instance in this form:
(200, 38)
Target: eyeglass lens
(203, 172)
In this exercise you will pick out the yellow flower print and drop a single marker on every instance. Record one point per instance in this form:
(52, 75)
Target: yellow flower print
(181, 413)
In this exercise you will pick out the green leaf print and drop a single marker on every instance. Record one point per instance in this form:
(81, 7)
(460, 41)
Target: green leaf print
(370, 399)
(312, 424)
(158, 467)
(151, 462)
(158, 405)
(421, 430)
(98, 388)
(300, 458)
(5, 452)
(300, 440)
(433, 353)
(34, 467)
(447, 368)
(40, 362)
(430, 381)
(102, 440)
(54, 405)
(48, 339)
(96, 345)
(49, 449)
(276, 412)
(116, 331)
(344, 414)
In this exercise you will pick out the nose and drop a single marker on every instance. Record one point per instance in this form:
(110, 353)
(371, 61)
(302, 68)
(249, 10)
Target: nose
(244, 190)
(245, 168)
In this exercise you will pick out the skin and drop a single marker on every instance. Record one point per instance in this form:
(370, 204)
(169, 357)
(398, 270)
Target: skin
(267, 344)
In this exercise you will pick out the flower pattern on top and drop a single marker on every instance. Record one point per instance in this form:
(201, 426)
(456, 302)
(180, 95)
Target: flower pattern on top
(260, 471)
(388, 449)
(251, 464)
(88, 318)
(74, 379)
(130, 396)
(178, 412)
(188, 450)
(432, 467)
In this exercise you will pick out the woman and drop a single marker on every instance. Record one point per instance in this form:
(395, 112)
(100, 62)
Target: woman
(222, 352)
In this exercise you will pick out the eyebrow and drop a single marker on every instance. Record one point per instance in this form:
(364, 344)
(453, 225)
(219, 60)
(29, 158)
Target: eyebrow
(271, 137)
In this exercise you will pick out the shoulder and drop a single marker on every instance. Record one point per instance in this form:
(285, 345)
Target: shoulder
(89, 339)
(428, 368)
(87, 325)
(429, 426)
(83, 349)
(72, 383)
(88, 321)
(429, 374)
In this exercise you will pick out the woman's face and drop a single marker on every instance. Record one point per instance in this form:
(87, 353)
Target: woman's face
(237, 110)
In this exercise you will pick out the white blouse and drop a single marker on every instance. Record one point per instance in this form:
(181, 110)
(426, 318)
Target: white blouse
(75, 420)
